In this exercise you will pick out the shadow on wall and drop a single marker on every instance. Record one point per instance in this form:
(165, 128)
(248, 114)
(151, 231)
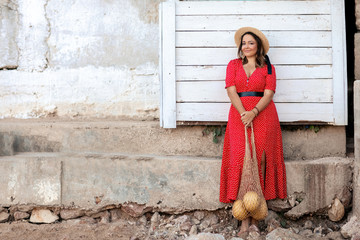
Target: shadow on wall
(11, 143)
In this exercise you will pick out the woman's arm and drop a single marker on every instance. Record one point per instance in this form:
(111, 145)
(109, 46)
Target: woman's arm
(248, 116)
(235, 99)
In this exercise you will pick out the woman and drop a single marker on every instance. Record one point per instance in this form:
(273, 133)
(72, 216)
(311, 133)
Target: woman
(250, 84)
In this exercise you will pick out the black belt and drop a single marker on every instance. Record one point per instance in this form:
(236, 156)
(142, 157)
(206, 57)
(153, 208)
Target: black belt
(251, 94)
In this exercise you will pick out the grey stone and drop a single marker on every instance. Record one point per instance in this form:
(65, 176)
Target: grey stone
(307, 233)
(271, 215)
(193, 230)
(318, 231)
(4, 217)
(155, 218)
(104, 216)
(272, 225)
(182, 219)
(308, 224)
(135, 210)
(284, 234)
(21, 215)
(71, 213)
(205, 236)
(334, 236)
(351, 228)
(199, 215)
(279, 205)
(212, 219)
(142, 220)
(186, 226)
(43, 216)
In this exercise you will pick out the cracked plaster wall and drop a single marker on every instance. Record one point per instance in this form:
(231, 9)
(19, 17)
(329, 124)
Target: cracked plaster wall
(79, 58)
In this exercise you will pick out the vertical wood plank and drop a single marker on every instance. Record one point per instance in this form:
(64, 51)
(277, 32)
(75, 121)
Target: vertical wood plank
(339, 62)
(168, 65)
(160, 63)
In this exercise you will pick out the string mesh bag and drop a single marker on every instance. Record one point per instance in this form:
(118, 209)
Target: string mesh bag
(250, 199)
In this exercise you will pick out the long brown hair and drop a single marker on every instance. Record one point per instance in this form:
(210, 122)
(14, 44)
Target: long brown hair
(260, 53)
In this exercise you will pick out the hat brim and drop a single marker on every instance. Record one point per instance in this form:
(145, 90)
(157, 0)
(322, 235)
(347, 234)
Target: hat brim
(257, 32)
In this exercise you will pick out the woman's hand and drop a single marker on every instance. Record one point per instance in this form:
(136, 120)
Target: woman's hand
(247, 117)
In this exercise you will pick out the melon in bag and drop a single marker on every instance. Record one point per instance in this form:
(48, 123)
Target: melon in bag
(239, 211)
(261, 212)
(251, 201)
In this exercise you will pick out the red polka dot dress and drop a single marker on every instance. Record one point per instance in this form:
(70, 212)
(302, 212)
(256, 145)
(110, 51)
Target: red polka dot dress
(267, 133)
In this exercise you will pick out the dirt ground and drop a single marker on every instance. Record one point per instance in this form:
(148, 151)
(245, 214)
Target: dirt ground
(119, 230)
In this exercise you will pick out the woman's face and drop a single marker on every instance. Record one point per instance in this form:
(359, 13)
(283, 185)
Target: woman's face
(249, 46)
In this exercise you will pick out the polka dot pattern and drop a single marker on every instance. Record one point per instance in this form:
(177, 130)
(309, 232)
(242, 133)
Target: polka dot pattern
(267, 134)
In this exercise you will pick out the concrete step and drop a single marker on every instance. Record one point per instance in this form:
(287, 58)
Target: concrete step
(165, 183)
(146, 137)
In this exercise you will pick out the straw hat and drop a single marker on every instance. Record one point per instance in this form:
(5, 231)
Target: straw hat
(257, 32)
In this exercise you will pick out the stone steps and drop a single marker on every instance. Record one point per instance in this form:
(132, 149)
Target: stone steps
(146, 137)
(171, 184)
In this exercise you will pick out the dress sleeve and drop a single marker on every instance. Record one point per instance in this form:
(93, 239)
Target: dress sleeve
(230, 74)
(271, 80)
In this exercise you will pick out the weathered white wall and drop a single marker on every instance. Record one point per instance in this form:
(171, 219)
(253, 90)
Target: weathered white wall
(79, 58)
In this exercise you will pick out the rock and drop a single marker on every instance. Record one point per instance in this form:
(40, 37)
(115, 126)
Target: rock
(182, 219)
(71, 213)
(84, 220)
(279, 205)
(271, 215)
(236, 238)
(272, 225)
(193, 230)
(212, 219)
(345, 197)
(4, 216)
(308, 224)
(186, 226)
(295, 230)
(306, 232)
(253, 236)
(135, 210)
(21, 215)
(334, 236)
(104, 216)
(43, 216)
(356, 237)
(205, 236)
(155, 218)
(115, 214)
(142, 221)
(292, 200)
(337, 211)
(199, 215)
(318, 231)
(351, 228)
(284, 234)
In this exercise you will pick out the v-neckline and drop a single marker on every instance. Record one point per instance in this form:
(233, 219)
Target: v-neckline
(248, 77)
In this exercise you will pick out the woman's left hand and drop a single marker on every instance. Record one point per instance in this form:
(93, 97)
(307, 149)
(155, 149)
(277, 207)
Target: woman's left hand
(247, 117)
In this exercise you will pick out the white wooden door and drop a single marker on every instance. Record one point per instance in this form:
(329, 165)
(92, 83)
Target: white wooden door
(307, 48)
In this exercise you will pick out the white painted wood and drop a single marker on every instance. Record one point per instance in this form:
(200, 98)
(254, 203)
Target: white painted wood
(276, 39)
(252, 7)
(262, 22)
(288, 112)
(161, 63)
(221, 56)
(315, 90)
(283, 72)
(168, 65)
(339, 60)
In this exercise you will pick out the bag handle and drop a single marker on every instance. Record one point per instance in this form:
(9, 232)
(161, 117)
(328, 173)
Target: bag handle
(247, 148)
